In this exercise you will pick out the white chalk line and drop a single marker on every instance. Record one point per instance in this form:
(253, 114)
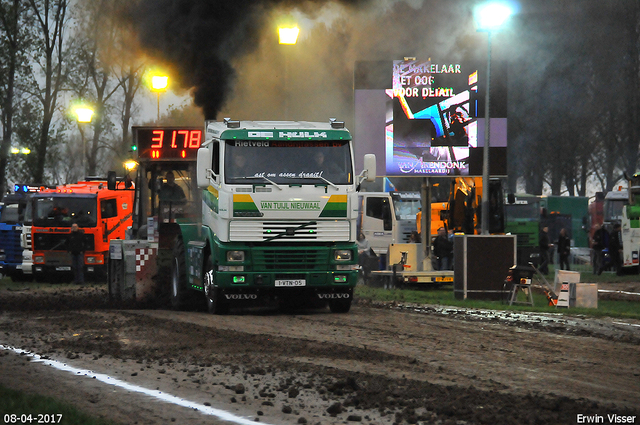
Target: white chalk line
(168, 398)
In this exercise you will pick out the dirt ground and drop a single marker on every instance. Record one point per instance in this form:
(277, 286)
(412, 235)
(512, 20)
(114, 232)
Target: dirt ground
(379, 364)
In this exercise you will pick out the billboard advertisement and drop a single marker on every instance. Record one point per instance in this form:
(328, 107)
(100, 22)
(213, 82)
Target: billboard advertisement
(426, 118)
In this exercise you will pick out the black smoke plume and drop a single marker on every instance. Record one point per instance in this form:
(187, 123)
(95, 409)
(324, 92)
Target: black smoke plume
(198, 39)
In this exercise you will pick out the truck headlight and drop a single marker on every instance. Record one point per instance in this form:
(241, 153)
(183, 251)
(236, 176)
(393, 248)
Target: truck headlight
(342, 255)
(235, 256)
(38, 259)
(91, 260)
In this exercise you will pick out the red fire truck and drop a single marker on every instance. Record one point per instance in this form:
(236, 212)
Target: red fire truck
(101, 213)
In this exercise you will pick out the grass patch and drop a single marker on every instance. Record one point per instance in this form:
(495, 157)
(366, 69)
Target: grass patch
(444, 296)
(20, 403)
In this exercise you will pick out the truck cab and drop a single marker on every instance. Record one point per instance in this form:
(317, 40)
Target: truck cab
(15, 224)
(101, 214)
(522, 218)
(387, 217)
(278, 216)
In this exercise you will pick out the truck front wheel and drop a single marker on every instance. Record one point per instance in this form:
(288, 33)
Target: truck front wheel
(341, 305)
(215, 304)
(179, 296)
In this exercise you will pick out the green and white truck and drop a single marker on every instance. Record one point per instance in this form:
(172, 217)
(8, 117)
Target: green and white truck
(279, 204)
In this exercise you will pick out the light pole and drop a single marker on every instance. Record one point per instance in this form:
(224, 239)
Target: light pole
(159, 84)
(489, 17)
(84, 115)
(287, 36)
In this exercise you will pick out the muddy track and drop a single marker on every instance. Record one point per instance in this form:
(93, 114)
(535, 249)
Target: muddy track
(378, 364)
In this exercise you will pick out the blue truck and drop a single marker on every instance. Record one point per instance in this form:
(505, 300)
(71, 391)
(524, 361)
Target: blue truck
(11, 222)
(14, 216)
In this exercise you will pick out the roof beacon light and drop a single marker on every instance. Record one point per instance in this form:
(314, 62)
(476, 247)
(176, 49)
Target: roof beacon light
(232, 123)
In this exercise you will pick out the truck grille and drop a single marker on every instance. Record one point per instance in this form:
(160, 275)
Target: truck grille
(58, 241)
(290, 258)
(258, 231)
(524, 239)
(10, 244)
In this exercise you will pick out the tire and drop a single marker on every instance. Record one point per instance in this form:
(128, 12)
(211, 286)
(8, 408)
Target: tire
(341, 305)
(178, 294)
(100, 274)
(215, 304)
(18, 276)
(115, 284)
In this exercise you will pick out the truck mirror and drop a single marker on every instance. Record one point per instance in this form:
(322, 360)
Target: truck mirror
(203, 166)
(111, 180)
(370, 167)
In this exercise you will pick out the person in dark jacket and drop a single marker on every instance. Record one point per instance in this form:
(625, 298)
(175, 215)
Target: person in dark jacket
(544, 246)
(443, 250)
(599, 242)
(76, 246)
(170, 191)
(615, 248)
(564, 249)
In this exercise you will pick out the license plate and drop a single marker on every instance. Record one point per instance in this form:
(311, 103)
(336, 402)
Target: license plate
(63, 268)
(291, 282)
(444, 279)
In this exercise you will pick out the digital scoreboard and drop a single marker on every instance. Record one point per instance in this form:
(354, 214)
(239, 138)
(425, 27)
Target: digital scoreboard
(426, 118)
(158, 143)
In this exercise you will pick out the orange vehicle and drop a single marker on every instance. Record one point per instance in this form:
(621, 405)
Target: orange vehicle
(101, 213)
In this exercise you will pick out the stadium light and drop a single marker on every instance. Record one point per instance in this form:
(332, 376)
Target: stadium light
(489, 17)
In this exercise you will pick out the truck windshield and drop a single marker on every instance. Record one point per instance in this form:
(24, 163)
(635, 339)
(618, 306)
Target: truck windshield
(288, 162)
(522, 211)
(63, 211)
(613, 209)
(406, 209)
(10, 214)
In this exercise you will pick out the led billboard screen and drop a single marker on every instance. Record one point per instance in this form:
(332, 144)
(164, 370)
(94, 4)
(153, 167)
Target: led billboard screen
(426, 118)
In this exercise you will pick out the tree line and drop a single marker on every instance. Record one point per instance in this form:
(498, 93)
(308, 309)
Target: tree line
(574, 97)
(53, 55)
(573, 82)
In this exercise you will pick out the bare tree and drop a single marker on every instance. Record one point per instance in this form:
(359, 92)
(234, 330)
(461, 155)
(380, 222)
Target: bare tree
(631, 75)
(130, 80)
(93, 78)
(12, 43)
(108, 75)
(130, 69)
(49, 59)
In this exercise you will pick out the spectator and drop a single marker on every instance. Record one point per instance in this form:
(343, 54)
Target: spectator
(564, 249)
(363, 244)
(367, 258)
(599, 242)
(544, 245)
(615, 248)
(451, 237)
(76, 246)
(443, 250)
